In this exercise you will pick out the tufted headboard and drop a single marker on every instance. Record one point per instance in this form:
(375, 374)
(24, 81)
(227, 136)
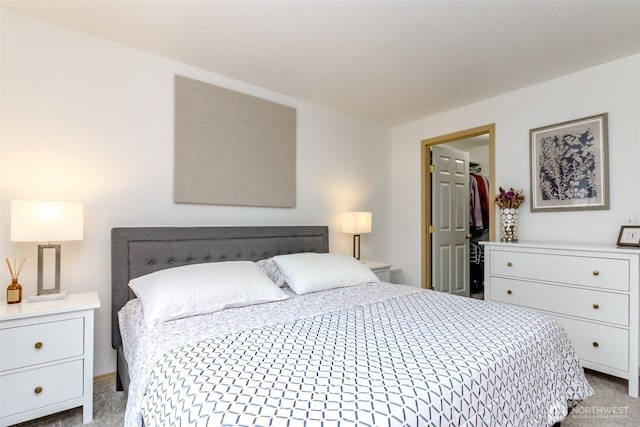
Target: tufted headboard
(139, 251)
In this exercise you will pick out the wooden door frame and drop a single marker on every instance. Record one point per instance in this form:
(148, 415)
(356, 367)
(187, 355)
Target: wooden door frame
(425, 144)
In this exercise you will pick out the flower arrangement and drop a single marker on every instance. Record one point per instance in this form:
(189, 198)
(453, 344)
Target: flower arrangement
(511, 199)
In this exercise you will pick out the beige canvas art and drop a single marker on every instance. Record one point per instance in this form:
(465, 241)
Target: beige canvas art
(232, 148)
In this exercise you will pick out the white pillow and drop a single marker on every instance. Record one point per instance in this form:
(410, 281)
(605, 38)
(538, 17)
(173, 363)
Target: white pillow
(202, 288)
(311, 272)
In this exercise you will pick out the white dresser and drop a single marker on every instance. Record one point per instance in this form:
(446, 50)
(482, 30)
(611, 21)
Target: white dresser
(46, 357)
(591, 290)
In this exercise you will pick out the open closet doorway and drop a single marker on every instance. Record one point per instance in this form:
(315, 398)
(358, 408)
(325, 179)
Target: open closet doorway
(446, 233)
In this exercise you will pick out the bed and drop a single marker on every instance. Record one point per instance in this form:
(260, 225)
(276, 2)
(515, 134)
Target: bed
(369, 354)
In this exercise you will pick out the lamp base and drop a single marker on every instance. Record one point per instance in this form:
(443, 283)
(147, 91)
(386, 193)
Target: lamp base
(47, 297)
(356, 246)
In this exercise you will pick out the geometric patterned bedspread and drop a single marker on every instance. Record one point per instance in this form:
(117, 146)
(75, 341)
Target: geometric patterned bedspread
(424, 359)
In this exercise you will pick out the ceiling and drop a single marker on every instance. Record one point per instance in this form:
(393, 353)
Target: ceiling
(389, 62)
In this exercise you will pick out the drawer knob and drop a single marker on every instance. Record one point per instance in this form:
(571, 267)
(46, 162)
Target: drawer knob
(596, 273)
(509, 264)
(38, 345)
(596, 306)
(595, 344)
(509, 291)
(37, 390)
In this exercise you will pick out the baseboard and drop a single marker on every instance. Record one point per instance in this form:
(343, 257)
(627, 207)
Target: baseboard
(103, 377)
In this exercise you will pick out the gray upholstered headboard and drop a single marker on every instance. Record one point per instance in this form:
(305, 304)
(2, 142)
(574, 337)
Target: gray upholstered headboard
(139, 251)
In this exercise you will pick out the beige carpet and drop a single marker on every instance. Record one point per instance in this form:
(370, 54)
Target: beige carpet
(610, 406)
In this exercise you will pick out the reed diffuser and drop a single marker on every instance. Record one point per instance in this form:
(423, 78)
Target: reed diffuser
(14, 290)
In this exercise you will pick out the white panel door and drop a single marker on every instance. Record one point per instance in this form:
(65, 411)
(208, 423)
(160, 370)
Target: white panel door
(450, 216)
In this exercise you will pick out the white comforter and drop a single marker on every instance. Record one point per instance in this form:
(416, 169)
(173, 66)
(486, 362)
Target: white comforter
(375, 354)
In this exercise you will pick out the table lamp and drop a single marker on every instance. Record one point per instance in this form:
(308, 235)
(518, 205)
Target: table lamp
(356, 223)
(42, 221)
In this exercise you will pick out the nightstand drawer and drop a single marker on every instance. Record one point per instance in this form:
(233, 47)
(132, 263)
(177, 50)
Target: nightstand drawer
(41, 387)
(606, 273)
(586, 303)
(604, 345)
(39, 343)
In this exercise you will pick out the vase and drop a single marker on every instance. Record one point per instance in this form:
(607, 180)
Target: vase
(509, 225)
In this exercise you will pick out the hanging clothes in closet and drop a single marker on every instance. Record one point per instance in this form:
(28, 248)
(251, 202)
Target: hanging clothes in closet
(479, 228)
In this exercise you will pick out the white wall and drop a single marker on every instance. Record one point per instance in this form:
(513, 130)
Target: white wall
(86, 119)
(613, 88)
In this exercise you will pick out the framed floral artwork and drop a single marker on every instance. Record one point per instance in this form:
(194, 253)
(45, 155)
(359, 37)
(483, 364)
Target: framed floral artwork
(569, 165)
(629, 236)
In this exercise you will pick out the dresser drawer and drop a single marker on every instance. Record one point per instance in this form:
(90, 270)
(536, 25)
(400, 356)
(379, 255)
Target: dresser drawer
(57, 383)
(39, 343)
(586, 303)
(604, 345)
(606, 273)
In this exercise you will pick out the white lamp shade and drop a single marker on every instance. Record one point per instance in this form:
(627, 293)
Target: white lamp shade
(40, 221)
(356, 222)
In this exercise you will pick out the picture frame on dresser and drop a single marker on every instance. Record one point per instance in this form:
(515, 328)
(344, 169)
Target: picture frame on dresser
(569, 165)
(629, 236)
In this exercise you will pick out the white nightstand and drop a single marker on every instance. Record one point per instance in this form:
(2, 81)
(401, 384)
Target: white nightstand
(381, 269)
(46, 357)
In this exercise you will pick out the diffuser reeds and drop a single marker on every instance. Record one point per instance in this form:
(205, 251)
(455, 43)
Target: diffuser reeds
(17, 267)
